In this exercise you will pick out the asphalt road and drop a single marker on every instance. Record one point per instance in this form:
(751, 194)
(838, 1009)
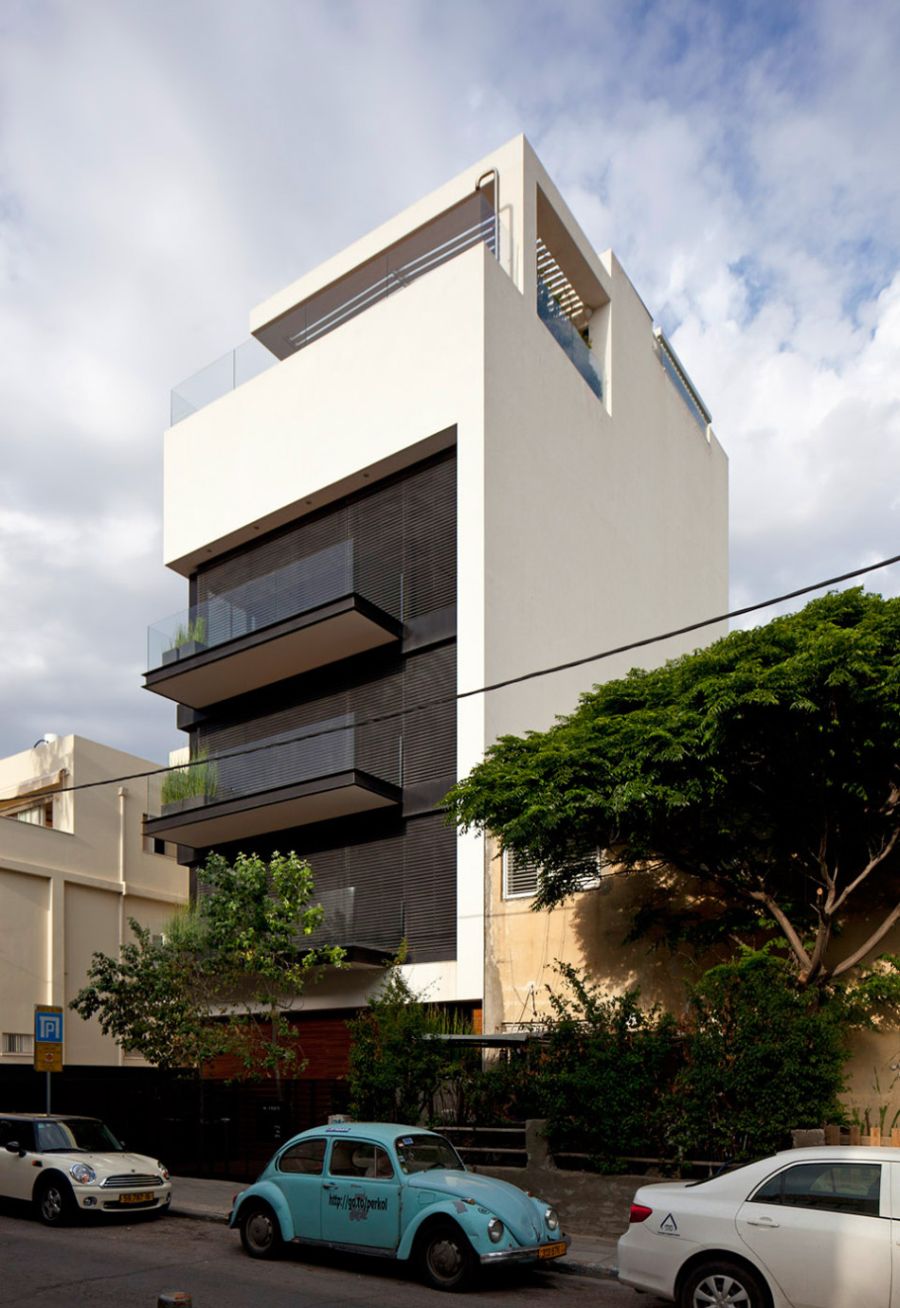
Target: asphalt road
(111, 1265)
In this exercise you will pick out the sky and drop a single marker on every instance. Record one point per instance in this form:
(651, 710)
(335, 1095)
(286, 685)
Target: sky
(166, 166)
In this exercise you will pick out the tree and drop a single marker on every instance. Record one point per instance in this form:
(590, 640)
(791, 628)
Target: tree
(395, 1068)
(223, 976)
(762, 772)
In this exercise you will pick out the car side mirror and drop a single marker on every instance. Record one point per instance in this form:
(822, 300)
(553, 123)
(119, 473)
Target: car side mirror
(15, 1148)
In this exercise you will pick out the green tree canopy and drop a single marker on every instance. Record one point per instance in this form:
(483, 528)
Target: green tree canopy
(224, 974)
(765, 769)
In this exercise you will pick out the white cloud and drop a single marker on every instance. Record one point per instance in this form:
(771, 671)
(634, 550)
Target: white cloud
(164, 167)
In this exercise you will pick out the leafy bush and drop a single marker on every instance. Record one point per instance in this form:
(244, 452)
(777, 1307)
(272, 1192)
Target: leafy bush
(762, 1056)
(602, 1082)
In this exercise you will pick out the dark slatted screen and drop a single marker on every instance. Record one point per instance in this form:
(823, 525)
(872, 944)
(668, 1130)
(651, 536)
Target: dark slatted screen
(380, 878)
(404, 544)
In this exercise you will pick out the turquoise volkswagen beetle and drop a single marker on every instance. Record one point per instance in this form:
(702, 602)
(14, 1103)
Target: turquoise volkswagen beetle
(396, 1192)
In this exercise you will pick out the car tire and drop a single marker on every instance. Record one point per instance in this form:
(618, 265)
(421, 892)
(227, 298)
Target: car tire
(54, 1203)
(445, 1257)
(724, 1283)
(260, 1232)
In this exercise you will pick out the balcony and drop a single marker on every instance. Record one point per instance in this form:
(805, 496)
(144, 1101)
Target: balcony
(554, 314)
(327, 770)
(368, 925)
(471, 222)
(307, 614)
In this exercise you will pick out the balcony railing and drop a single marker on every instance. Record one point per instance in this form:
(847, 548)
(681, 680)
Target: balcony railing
(554, 317)
(469, 223)
(293, 589)
(299, 616)
(332, 768)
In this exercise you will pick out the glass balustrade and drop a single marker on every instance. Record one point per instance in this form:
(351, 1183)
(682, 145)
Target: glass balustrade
(567, 335)
(289, 591)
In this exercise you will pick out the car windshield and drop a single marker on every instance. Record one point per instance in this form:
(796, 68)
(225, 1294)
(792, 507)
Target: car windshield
(77, 1134)
(424, 1153)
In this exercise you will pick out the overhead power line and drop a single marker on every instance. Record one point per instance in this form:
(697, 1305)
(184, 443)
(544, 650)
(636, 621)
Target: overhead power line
(264, 746)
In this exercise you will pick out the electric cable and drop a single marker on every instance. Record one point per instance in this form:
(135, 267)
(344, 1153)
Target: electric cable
(263, 746)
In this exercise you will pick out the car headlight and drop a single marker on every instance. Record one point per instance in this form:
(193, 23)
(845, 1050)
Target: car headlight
(551, 1217)
(163, 1171)
(82, 1173)
(495, 1229)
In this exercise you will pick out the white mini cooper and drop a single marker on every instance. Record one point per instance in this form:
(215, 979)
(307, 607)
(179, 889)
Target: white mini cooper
(65, 1165)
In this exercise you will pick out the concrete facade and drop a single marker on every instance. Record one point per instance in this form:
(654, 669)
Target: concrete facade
(74, 866)
(584, 519)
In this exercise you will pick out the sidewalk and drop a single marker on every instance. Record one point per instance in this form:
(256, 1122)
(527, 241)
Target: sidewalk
(210, 1201)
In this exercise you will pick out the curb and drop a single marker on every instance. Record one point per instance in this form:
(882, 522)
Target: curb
(195, 1215)
(596, 1271)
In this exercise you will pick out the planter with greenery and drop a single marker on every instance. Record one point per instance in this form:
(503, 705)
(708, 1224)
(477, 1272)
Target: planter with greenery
(197, 782)
(189, 638)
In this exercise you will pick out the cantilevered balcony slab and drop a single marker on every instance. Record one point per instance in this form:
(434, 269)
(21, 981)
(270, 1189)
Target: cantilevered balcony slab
(198, 676)
(200, 823)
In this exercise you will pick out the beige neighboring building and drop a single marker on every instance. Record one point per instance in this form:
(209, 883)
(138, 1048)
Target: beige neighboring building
(74, 866)
(588, 932)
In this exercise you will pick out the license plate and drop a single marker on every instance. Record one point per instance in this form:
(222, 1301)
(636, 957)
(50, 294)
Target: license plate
(552, 1250)
(136, 1197)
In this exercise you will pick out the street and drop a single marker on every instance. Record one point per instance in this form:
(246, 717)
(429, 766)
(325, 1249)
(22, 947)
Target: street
(128, 1266)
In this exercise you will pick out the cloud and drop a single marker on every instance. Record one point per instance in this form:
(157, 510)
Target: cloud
(164, 167)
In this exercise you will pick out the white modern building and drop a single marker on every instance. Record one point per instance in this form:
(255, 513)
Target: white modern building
(457, 452)
(75, 865)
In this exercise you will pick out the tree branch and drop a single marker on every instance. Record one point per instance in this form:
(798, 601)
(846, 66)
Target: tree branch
(859, 954)
(870, 867)
(790, 934)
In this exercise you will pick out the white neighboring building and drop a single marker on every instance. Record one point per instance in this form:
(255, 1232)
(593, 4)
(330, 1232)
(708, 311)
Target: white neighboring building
(456, 452)
(74, 866)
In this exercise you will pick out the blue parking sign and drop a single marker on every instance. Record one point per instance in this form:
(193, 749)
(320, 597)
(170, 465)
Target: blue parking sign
(48, 1026)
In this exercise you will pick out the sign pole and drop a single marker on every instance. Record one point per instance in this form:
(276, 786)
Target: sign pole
(48, 1044)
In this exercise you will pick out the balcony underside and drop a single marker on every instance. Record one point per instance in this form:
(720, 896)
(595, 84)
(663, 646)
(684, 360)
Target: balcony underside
(200, 824)
(338, 630)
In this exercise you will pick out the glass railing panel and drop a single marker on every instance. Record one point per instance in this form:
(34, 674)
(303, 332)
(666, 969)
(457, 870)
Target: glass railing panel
(321, 749)
(469, 223)
(357, 915)
(287, 592)
(567, 335)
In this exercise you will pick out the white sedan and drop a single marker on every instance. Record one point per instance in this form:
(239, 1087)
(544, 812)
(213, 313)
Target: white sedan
(809, 1228)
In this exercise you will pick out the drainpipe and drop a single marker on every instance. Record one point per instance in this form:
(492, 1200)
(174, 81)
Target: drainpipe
(122, 793)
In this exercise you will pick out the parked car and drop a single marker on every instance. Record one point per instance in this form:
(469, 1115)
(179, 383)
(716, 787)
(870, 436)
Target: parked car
(398, 1192)
(64, 1165)
(803, 1229)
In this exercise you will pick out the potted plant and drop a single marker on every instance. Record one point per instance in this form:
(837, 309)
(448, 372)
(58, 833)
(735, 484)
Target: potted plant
(189, 638)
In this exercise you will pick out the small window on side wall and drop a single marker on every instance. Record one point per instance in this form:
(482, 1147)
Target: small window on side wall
(521, 876)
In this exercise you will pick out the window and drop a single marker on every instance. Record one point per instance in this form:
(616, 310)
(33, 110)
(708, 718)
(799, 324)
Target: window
(828, 1187)
(37, 813)
(18, 1042)
(14, 1129)
(307, 1158)
(521, 876)
(353, 1158)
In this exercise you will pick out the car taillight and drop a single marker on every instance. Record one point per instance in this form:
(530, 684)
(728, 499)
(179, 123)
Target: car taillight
(639, 1213)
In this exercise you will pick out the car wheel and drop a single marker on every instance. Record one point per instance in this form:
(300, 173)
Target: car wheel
(54, 1201)
(260, 1234)
(723, 1284)
(445, 1257)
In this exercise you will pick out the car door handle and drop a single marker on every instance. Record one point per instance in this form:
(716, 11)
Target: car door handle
(328, 1185)
(761, 1221)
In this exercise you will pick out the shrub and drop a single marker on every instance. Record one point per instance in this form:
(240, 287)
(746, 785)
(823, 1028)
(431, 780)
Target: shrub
(602, 1082)
(761, 1058)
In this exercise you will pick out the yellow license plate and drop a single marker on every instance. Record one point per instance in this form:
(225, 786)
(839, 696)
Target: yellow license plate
(552, 1250)
(136, 1197)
